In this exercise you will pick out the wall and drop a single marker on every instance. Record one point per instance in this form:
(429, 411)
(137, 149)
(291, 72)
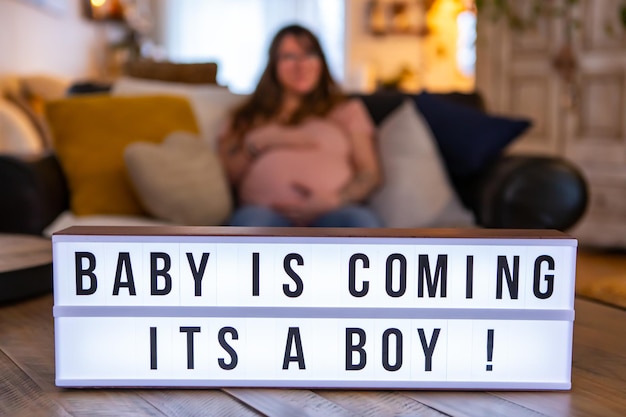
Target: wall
(370, 58)
(61, 43)
(65, 44)
(431, 58)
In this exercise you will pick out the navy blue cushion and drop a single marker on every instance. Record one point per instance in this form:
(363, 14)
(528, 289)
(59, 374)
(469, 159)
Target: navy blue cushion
(468, 139)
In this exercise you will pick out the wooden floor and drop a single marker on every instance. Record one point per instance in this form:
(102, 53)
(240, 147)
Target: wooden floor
(27, 381)
(601, 276)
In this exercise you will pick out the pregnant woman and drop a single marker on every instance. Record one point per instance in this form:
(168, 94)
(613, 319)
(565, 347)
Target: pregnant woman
(298, 152)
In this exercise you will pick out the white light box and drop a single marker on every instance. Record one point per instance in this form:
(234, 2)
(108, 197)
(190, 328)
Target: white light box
(345, 308)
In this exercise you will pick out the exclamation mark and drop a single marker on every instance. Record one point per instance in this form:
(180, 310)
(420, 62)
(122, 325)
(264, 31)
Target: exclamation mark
(489, 349)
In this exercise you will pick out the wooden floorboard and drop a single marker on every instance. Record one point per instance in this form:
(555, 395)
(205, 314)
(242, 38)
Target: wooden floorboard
(183, 403)
(21, 396)
(555, 403)
(286, 403)
(377, 403)
(602, 276)
(102, 403)
(470, 404)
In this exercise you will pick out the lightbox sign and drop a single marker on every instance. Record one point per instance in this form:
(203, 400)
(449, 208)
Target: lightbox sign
(344, 308)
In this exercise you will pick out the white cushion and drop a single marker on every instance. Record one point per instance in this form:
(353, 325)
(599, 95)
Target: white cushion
(454, 214)
(18, 136)
(211, 103)
(416, 191)
(180, 180)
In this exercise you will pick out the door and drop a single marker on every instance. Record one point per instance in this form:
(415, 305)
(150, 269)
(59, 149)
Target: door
(568, 74)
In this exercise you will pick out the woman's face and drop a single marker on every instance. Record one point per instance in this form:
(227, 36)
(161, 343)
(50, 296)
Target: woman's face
(298, 69)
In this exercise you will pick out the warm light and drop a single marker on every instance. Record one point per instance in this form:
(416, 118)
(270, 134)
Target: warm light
(359, 312)
(98, 3)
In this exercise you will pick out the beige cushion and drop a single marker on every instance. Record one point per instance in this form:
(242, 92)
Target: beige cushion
(10, 84)
(29, 94)
(36, 119)
(45, 86)
(416, 191)
(17, 134)
(211, 103)
(181, 180)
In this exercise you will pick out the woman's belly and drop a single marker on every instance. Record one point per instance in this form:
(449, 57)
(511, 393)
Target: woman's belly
(287, 175)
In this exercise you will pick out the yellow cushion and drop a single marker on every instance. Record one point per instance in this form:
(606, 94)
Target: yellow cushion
(90, 134)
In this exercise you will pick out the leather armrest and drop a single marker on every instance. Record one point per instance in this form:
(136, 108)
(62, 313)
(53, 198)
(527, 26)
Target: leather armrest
(33, 193)
(530, 192)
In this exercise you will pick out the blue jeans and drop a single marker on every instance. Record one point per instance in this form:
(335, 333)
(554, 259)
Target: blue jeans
(347, 216)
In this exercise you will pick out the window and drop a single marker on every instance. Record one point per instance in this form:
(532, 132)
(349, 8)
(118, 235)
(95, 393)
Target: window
(466, 43)
(236, 34)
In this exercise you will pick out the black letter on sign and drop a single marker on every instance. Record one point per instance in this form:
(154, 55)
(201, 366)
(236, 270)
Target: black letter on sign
(469, 277)
(428, 348)
(352, 275)
(198, 273)
(81, 272)
(153, 349)
(154, 273)
(255, 274)
(351, 347)
(389, 275)
(296, 278)
(233, 355)
(549, 277)
(511, 281)
(123, 261)
(190, 331)
(398, 363)
(293, 336)
(440, 270)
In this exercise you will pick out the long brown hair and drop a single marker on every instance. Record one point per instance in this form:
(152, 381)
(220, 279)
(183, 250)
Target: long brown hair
(265, 102)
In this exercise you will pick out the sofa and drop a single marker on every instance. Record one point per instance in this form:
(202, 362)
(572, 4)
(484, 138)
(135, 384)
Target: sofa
(488, 187)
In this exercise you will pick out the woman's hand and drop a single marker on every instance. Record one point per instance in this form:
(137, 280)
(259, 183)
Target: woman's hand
(304, 211)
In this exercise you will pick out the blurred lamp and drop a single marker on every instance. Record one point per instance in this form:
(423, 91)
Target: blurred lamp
(104, 9)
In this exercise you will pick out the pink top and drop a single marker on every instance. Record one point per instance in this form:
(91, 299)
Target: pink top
(284, 175)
